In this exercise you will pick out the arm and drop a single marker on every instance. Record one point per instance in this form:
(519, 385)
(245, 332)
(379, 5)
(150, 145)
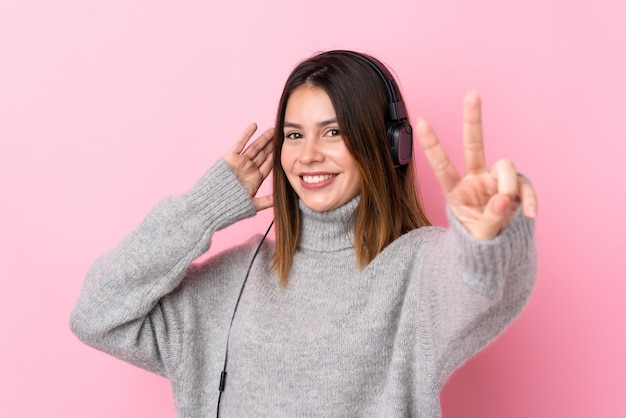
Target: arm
(473, 289)
(481, 271)
(121, 309)
(128, 306)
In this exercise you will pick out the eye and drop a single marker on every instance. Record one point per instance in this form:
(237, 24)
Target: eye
(293, 135)
(333, 132)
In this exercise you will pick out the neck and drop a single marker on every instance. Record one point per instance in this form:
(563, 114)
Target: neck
(330, 230)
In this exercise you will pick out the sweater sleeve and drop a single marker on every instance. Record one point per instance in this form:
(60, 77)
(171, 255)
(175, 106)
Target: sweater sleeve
(122, 307)
(475, 289)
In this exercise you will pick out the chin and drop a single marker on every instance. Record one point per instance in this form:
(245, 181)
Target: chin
(322, 206)
(317, 207)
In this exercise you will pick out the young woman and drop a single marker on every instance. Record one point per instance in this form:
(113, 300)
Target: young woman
(359, 308)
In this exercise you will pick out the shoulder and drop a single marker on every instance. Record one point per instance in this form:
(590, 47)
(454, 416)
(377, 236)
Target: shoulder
(408, 248)
(213, 282)
(419, 239)
(236, 258)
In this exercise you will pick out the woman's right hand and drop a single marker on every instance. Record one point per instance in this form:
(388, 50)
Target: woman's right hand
(253, 163)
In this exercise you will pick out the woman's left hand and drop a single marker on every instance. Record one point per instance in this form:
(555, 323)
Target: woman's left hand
(483, 201)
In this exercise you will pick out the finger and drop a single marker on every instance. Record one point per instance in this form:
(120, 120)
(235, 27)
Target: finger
(528, 197)
(261, 148)
(445, 172)
(258, 148)
(263, 202)
(505, 174)
(263, 156)
(243, 139)
(267, 165)
(496, 215)
(473, 145)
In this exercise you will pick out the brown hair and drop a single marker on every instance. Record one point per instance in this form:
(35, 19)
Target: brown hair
(389, 204)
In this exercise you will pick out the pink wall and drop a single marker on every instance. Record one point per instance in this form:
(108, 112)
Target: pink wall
(106, 107)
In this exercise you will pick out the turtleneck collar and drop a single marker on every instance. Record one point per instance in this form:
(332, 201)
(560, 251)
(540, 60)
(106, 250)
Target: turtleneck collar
(331, 230)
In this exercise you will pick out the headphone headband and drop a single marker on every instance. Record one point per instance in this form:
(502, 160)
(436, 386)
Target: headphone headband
(397, 109)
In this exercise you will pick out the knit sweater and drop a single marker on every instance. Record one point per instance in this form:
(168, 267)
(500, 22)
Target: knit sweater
(336, 341)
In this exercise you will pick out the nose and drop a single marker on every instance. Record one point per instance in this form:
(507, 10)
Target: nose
(311, 152)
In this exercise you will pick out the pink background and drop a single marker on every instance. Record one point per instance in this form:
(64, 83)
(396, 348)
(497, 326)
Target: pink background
(107, 107)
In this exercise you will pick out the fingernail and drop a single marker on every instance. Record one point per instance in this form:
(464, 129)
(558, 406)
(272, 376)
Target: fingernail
(503, 204)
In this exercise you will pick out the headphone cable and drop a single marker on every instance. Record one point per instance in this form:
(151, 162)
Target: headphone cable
(243, 285)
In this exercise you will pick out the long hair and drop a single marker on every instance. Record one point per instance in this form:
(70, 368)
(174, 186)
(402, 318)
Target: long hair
(389, 203)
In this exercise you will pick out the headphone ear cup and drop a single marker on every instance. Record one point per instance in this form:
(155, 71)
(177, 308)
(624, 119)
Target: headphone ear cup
(400, 137)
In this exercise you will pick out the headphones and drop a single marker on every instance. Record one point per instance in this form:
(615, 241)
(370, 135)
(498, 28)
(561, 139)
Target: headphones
(399, 131)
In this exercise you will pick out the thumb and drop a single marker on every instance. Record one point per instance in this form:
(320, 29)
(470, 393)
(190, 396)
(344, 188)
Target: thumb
(495, 217)
(263, 202)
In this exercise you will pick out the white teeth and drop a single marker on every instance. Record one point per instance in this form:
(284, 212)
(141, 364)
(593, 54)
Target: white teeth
(317, 179)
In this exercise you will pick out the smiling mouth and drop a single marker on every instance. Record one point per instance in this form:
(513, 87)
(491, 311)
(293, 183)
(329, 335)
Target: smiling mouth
(317, 179)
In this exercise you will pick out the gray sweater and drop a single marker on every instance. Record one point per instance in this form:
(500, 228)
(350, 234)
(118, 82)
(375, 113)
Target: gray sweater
(337, 341)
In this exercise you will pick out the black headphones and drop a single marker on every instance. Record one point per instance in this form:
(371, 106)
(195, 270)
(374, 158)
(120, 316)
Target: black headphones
(399, 131)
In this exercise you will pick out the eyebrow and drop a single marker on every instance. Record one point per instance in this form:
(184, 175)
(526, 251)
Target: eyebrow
(326, 122)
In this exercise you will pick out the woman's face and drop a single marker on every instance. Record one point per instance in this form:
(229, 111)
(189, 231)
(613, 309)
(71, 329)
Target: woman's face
(314, 155)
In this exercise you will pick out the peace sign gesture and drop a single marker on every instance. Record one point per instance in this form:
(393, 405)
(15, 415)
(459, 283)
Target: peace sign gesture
(483, 201)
